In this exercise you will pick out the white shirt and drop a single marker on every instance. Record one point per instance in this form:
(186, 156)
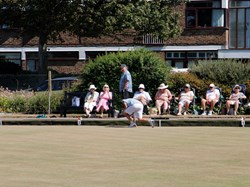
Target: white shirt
(144, 93)
(186, 95)
(211, 95)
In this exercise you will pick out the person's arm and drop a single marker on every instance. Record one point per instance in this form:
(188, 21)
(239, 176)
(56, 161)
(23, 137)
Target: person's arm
(96, 96)
(242, 96)
(86, 97)
(217, 93)
(157, 95)
(191, 96)
(169, 95)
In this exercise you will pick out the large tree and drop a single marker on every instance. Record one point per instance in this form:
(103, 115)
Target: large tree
(46, 19)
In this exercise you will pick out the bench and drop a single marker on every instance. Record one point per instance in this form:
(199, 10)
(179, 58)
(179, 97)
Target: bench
(66, 104)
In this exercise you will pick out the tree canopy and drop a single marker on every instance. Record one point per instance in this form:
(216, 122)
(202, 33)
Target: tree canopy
(46, 19)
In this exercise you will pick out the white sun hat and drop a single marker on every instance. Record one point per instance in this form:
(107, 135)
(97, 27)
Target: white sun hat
(141, 86)
(92, 86)
(162, 86)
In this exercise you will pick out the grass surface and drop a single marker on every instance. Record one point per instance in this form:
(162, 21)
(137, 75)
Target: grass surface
(113, 157)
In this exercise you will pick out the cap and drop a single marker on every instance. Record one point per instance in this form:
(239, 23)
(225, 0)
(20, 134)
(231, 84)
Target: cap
(123, 65)
(141, 86)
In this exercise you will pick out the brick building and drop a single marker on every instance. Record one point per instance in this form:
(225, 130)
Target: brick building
(212, 29)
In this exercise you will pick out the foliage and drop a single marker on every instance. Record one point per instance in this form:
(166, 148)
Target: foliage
(225, 72)
(27, 102)
(178, 80)
(145, 67)
(46, 19)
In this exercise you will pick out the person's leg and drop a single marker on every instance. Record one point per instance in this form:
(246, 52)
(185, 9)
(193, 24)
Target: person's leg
(228, 106)
(165, 107)
(236, 106)
(213, 102)
(179, 108)
(125, 94)
(186, 107)
(158, 106)
(203, 106)
(101, 112)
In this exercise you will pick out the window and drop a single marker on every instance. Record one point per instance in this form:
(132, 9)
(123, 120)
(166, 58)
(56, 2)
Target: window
(53, 58)
(186, 59)
(239, 22)
(11, 57)
(205, 14)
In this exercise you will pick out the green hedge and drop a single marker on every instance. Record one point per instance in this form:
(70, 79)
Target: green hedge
(28, 102)
(145, 67)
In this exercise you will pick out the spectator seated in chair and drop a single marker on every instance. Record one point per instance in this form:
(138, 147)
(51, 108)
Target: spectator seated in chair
(162, 98)
(142, 92)
(90, 100)
(185, 98)
(104, 98)
(234, 99)
(212, 97)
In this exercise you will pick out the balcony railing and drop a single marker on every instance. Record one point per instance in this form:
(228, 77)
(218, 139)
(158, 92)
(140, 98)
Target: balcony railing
(150, 39)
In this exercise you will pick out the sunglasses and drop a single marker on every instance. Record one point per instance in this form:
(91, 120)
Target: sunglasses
(211, 87)
(106, 87)
(237, 88)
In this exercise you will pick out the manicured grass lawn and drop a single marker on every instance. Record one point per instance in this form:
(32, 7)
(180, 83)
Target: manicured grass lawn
(107, 156)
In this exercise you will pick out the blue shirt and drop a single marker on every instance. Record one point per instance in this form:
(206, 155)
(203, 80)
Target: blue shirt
(126, 76)
(130, 101)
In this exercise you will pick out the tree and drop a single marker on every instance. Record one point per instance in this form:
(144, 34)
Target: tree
(46, 19)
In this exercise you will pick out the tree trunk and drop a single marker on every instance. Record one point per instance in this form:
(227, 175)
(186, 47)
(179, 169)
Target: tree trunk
(42, 54)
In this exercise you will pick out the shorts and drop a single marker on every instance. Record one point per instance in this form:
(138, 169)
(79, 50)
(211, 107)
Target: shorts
(209, 103)
(136, 110)
(183, 102)
(232, 102)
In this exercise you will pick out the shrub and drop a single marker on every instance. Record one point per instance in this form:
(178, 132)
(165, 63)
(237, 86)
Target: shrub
(224, 72)
(28, 102)
(178, 80)
(145, 67)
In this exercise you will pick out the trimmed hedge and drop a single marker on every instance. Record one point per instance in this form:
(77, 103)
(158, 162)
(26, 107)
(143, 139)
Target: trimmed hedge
(28, 102)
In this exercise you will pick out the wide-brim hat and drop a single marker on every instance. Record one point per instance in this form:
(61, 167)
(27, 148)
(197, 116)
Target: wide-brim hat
(237, 86)
(92, 87)
(141, 86)
(162, 86)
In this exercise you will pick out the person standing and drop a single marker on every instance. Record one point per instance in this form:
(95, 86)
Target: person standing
(125, 84)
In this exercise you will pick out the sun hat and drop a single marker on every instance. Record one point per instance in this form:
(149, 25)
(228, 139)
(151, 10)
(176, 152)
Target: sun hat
(187, 85)
(162, 86)
(211, 85)
(141, 86)
(237, 86)
(92, 86)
